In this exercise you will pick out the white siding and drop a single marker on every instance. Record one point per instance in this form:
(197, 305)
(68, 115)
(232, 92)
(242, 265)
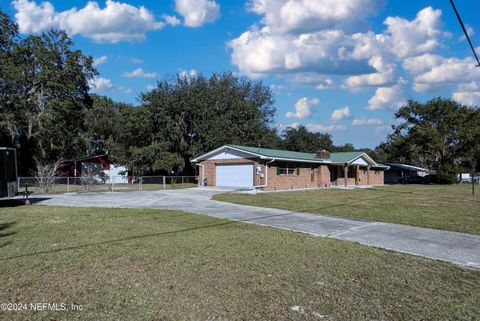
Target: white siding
(359, 161)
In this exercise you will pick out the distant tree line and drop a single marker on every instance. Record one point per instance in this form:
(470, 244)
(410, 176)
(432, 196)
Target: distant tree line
(47, 113)
(440, 134)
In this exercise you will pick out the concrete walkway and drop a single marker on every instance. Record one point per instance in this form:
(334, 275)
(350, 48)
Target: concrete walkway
(458, 248)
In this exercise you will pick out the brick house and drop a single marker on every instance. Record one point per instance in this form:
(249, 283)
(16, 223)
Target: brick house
(272, 169)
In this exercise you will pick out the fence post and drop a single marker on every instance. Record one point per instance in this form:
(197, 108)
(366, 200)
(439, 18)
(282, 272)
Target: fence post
(18, 184)
(68, 185)
(182, 181)
(113, 184)
(140, 183)
(164, 183)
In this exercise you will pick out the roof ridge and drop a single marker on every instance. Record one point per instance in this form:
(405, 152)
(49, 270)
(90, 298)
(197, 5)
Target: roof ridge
(290, 151)
(276, 149)
(281, 154)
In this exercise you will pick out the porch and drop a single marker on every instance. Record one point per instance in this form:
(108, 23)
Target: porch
(351, 175)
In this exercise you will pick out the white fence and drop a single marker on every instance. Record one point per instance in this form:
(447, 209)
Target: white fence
(60, 185)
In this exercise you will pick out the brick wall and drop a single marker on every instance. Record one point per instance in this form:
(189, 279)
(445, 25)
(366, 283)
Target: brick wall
(362, 176)
(209, 169)
(323, 177)
(309, 176)
(321, 174)
(377, 177)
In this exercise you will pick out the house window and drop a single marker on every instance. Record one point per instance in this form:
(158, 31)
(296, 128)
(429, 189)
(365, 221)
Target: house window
(312, 174)
(288, 171)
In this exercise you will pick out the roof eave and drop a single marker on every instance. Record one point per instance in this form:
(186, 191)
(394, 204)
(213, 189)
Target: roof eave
(200, 158)
(261, 156)
(369, 159)
(320, 161)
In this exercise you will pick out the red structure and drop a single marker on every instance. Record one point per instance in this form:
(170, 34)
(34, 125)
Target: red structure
(75, 167)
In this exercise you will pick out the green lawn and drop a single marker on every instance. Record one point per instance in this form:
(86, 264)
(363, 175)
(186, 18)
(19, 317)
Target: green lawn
(448, 207)
(127, 264)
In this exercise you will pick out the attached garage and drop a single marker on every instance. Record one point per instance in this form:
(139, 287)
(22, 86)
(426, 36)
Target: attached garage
(273, 169)
(234, 175)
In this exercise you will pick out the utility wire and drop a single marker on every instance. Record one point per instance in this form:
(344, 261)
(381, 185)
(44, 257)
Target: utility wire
(465, 32)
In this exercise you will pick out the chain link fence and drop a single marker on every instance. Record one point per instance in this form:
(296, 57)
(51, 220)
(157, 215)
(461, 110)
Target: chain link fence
(61, 185)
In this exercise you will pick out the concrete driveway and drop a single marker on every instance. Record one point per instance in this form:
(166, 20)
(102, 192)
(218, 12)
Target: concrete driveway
(458, 248)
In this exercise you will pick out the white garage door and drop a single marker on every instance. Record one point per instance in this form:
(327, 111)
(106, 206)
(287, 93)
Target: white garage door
(234, 175)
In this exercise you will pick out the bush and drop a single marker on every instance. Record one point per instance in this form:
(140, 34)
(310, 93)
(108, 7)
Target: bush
(447, 173)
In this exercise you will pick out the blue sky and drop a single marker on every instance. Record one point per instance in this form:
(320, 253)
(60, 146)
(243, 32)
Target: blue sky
(341, 67)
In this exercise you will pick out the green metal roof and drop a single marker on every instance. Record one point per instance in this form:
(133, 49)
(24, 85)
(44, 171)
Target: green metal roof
(278, 153)
(344, 157)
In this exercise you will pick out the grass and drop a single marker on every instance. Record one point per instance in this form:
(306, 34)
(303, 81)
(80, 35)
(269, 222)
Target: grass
(132, 264)
(447, 207)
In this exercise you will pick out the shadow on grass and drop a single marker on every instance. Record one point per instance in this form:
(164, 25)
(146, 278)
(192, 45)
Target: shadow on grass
(20, 201)
(5, 226)
(135, 237)
(142, 236)
(5, 244)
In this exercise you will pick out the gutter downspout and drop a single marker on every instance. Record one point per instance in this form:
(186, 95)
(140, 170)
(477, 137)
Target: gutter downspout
(266, 175)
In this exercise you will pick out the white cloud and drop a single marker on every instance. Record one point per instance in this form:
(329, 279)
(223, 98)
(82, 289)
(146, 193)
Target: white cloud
(34, 18)
(187, 73)
(325, 128)
(261, 52)
(305, 78)
(100, 60)
(391, 98)
(325, 84)
(470, 32)
(303, 108)
(308, 42)
(150, 87)
(314, 127)
(367, 121)
(100, 84)
(312, 15)
(467, 98)
(468, 94)
(471, 86)
(302, 36)
(410, 38)
(341, 113)
(276, 88)
(171, 20)
(136, 61)
(140, 73)
(383, 129)
(420, 64)
(386, 75)
(197, 12)
(116, 22)
(444, 72)
(126, 90)
(314, 39)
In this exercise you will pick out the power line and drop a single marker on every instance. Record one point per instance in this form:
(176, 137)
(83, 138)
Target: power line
(465, 32)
